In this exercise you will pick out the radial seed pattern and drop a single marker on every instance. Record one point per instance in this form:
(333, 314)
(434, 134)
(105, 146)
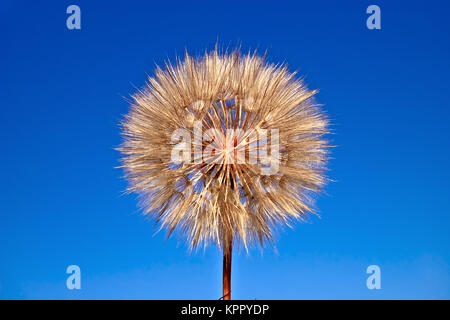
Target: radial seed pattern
(216, 198)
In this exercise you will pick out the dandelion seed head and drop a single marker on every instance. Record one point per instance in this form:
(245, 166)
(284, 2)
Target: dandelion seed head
(218, 199)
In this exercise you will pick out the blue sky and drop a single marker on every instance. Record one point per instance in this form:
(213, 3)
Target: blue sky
(63, 93)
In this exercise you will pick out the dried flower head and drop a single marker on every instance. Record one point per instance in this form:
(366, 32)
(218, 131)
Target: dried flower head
(224, 148)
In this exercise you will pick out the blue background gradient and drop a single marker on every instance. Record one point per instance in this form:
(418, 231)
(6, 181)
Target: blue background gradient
(62, 96)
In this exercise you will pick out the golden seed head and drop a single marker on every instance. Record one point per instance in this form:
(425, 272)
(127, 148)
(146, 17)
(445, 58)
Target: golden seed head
(219, 199)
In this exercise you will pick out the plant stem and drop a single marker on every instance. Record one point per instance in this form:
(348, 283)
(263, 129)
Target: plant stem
(227, 254)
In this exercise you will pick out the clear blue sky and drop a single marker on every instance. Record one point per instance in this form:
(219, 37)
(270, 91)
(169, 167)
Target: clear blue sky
(62, 96)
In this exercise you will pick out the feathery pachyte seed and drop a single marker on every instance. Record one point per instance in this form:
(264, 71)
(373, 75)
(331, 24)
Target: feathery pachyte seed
(213, 197)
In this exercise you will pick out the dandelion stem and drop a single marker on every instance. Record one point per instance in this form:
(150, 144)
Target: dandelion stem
(227, 254)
